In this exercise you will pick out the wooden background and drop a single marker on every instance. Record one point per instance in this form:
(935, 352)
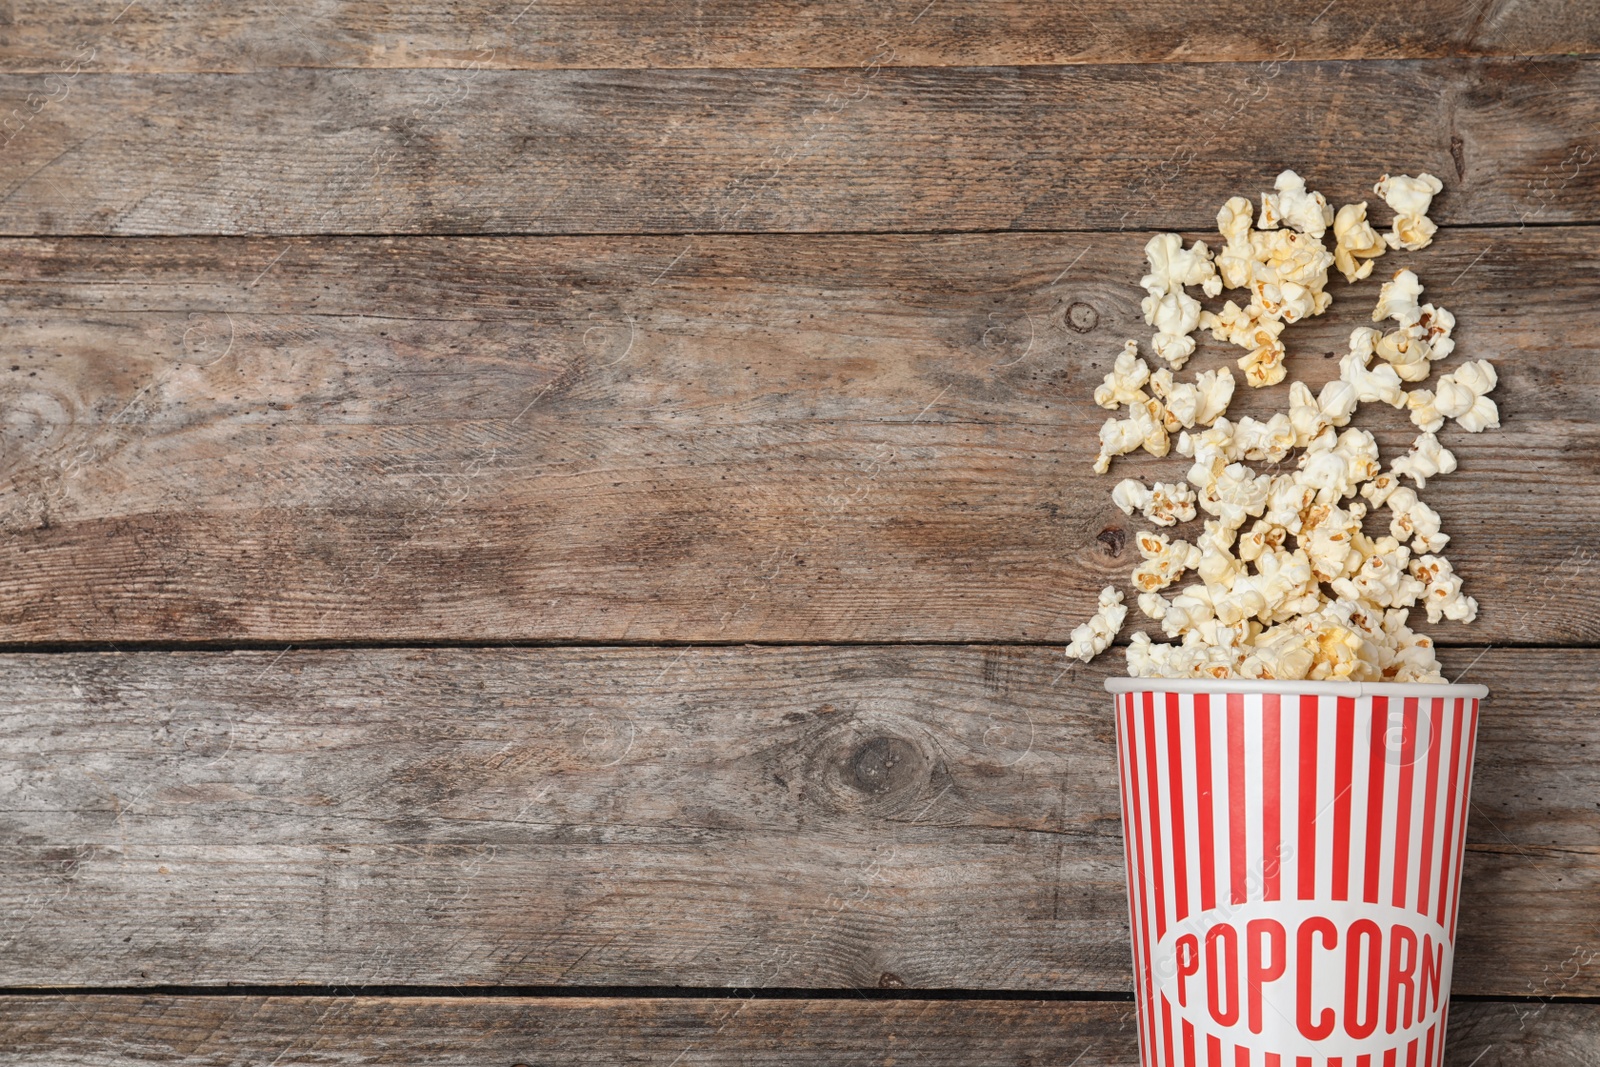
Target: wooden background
(543, 534)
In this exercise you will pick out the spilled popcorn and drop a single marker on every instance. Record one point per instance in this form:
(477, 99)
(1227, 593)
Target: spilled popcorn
(1283, 582)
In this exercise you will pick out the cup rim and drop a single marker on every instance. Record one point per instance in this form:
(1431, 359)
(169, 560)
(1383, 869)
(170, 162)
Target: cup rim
(1333, 689)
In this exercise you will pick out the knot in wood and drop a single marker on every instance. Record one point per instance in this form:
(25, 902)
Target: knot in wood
(883, 765)
(1081, 318)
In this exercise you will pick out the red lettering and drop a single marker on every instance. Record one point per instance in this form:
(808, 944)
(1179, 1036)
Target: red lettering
(1261, 970)
(1187, 966)
(1330, 939)
(1402, 942)
(1428, 979)
(1215, 982)
(1357, 1024)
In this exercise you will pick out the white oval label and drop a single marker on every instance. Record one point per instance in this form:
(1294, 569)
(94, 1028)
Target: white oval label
(1306, 977)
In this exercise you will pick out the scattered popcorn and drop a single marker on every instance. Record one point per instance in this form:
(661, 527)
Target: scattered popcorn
(1096, 635)
(1410, 198)
(1426, 459)
(1144, 427)
(1253, 329)
(1271, 441)
(1442, 593)
(1285, 584)
(1173, 312)
(1354, 238)
(1307, 212)
(1164, 503)
(1125, 384)
(1335, 471)
(1172, 266)
(1380, 383)
(1236, 495)
(1463, 396)
(1200, 403)
(1397, 299)
(1165, 561)
(1414, 521)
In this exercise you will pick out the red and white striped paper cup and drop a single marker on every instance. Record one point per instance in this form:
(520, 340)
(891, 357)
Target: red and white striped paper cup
(1294, 867)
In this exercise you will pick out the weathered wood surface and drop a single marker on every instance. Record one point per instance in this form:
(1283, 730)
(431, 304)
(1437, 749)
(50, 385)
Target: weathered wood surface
(773, 438)
(844, 149)
(213, 35)
(739, 817)
(223, 1031)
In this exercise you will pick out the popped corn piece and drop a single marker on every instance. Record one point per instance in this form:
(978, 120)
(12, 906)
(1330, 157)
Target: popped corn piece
(1412, 349)
(1424, 411)
(1397, 299)
(1327, 535)
(1164, 503)
(1095, 636)
(1216, 538)
(1170, 503)
(1172, 266)
(1442, 593)
(1406, 350)
(1263, 536)
(1285, 580)
(1437, 323)
(1130, 495)
(1380, 488)
(1283, 256)
(1406, 656)
(1240, 602)
(1212, 449)
(1271, 441)
(1165, 561)
(1218, 569)
(1382, 578)
(1281, 653)
(1337, 472)
(1263, 366)
(1292, 204)
(1118, 437)
(1235, 262)
(1354, 238)
(1125, 383)
(1237, 494)
(1463, 396)
(1426, 459)
(1410, 198)
(1154, 605)
(1252, 328)
(1145, 426)
(1200, 403)
(1190, 609)
(1380, 383)
(1414, 520)
(1338, 400)
(1287, 499)
(1175, 316)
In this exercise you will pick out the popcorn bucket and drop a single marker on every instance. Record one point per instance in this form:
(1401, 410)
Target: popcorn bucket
(1294, 866)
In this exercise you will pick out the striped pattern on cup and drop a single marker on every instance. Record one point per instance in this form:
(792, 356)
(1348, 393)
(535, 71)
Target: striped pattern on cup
(1294, 866)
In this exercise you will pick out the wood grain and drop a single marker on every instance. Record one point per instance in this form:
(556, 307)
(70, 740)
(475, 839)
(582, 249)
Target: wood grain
(845, 149)
(210, 35)
(472, 1032)
(515, 439)
(734, 817)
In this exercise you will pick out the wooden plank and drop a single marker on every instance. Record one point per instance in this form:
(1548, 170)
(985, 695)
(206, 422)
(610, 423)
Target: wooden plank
(845, 149)
(860, 438)
(735, 817)
(218, 1031)
(211, 35)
